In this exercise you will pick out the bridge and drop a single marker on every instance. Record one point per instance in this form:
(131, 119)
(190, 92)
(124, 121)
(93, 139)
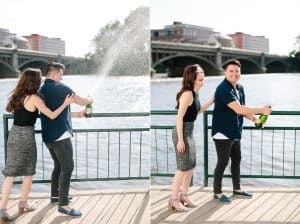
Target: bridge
(172, 57)
(13, 60)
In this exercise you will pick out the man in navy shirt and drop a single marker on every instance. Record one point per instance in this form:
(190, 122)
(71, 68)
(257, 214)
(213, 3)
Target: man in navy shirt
(57, 135)
(227, 125)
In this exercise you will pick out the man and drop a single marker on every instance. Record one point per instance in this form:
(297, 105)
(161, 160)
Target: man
(57, 135)
(227, 125)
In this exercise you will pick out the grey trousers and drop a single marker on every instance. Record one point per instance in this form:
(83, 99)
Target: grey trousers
(62, 155)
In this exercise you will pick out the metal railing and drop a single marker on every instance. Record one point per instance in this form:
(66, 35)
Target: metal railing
(100, 154)
(271, 152)
(160, 168)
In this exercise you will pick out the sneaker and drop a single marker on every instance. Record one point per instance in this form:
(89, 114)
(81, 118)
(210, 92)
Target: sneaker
(223, 198)
(242, 193)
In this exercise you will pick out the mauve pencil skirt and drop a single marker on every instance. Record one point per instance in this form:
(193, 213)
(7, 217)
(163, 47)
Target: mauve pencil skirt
(186, 160)
(21, 152)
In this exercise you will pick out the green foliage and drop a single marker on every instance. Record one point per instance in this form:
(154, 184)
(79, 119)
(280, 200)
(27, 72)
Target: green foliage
(295, 59)
(120, 49)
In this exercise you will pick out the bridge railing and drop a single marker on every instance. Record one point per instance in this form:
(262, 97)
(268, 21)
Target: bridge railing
(100, 154)
(272, 152)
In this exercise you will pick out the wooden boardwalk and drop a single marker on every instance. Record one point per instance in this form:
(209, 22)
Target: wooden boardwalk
(268, 205)
(97, 206)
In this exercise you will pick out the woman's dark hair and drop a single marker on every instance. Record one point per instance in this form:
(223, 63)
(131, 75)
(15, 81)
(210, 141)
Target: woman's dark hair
(231, 62)
(28, 84)
(54, 66)
(189, 77)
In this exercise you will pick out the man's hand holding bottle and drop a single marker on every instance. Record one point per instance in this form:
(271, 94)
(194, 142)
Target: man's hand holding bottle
(266, 111)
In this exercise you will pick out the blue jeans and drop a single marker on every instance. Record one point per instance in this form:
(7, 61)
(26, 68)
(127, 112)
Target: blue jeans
(62, 155)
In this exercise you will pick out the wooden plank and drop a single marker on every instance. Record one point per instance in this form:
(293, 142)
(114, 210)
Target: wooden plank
(171, 216)
(225, 212)
(203, 211)
(121, 209)
(296, 217)
(102, 203)
(142, 214)
(268, 216)
(252, 207)
(36, 216)
(164, 196)
(162, 210)
(109, 209)
(286, 212)
(264, 207)
(57, 217)
(238, 208)
(200, 198)
(86, 209)
(136, 203)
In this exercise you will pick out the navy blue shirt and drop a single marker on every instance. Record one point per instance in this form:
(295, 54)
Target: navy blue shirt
(54, 94)
(225, 120)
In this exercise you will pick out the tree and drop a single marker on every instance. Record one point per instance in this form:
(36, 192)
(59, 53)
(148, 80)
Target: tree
(295, 55)
(123, 49)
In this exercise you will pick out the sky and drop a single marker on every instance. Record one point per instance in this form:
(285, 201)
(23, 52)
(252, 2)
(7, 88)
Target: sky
(277, 20)
(75, 21)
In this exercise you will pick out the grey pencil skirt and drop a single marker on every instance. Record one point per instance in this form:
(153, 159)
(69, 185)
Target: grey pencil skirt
(186, 160)
(21, 152)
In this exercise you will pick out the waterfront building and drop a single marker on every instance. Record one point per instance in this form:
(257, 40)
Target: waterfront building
(187, 33)
(11, 40)
(249, 42)
(46, 44)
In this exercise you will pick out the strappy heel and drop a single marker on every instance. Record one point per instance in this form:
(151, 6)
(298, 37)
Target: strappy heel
(181, 208)
(4, 216)
(187, 203)
(23, 206)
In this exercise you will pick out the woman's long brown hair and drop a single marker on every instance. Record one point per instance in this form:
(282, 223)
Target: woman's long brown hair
(189, 77)
(28, 84)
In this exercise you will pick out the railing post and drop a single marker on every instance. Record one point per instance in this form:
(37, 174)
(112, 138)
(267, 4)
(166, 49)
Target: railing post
(205, 134)
(5, 127)
(192, 181)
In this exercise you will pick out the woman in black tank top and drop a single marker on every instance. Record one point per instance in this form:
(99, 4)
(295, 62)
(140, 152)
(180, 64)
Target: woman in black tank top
(21, 146)
(188, 106)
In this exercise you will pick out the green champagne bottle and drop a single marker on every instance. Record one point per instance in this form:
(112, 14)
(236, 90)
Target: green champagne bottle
(262, 120)
(88, 110)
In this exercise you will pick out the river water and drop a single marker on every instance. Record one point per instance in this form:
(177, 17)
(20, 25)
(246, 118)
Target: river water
(279, 90)
(113, 94)
(133, 94)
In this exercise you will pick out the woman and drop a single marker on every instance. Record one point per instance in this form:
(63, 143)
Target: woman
(188, 106)
(25, 104)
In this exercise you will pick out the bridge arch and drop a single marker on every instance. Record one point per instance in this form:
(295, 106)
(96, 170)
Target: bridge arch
(277, 66)
(72, 67)
(176, 63)
(34, 63)
(249, 66)
(6, 70)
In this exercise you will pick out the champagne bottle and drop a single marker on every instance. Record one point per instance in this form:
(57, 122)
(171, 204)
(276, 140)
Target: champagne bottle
(88, 110)
(262, 120)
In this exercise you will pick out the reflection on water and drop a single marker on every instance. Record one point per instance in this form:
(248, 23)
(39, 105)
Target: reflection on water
(279, 90)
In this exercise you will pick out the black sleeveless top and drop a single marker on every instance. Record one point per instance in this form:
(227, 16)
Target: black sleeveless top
(193, 109)
(23, 117)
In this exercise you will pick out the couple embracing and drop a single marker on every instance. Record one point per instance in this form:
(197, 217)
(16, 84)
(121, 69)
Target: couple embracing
(53, 101)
